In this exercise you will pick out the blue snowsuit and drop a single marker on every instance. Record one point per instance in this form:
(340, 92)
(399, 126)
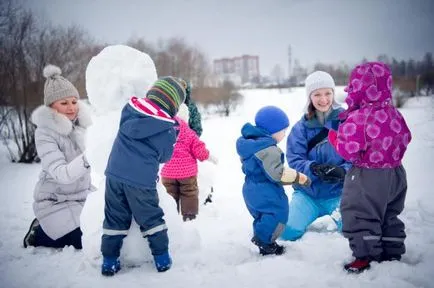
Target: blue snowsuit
(320, 198)
(265, 198)
(142, 143)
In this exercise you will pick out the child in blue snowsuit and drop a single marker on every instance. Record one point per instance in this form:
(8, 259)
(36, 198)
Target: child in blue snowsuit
(145, 139)
(263, 165)
(309, 151)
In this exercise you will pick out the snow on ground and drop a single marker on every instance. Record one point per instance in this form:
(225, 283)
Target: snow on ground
(215, 250)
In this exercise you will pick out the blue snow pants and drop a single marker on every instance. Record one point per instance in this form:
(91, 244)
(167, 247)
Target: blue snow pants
(303, 210)
(122, 202)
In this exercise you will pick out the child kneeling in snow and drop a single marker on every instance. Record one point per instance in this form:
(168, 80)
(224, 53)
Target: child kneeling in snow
(145, 139)
(179, 175)
(374, 137)
(263, 165)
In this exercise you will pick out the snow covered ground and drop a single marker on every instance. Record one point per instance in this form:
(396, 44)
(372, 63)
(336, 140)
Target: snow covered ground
(215, 250)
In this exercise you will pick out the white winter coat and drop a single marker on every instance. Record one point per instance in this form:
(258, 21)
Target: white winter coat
(64, 181)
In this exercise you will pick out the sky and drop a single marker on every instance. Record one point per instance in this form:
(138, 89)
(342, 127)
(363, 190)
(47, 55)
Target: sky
(329, 31)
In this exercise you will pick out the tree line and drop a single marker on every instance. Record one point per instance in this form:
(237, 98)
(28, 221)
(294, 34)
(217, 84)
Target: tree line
(410, 76)
(28, 44)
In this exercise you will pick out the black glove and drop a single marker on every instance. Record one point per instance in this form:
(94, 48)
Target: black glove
(328, 173)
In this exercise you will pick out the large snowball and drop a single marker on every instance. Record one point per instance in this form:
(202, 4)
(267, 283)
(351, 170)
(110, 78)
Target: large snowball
(117, 73)
(112, 77)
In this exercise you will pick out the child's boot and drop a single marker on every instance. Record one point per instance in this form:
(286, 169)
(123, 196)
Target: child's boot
(163, 262)
(188, 217)
(110, 266)
(268, 249)
(358, 265)
(390, 257)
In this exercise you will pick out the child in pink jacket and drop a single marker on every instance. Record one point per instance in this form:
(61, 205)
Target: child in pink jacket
(179, 175)
(374, 137)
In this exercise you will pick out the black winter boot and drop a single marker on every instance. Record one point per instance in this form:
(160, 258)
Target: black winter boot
(268, 249)
(390, 257)
(29, 239)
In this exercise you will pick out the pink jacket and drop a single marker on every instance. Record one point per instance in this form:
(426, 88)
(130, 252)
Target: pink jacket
(373, 133)
(188, 149)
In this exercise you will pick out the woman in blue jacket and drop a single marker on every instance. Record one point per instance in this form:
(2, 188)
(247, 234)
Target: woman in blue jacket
(309, 152)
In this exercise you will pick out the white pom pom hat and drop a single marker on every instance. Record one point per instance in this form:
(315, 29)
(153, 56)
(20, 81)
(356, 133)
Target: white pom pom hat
(56, 87)
(317, 80)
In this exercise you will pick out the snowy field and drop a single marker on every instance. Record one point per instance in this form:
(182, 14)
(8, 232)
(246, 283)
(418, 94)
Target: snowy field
(215, 250)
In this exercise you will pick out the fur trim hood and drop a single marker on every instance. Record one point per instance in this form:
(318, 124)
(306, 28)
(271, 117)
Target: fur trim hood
(46, 117)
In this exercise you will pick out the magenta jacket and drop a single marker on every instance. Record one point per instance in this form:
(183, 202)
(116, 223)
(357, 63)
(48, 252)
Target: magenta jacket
(188, 149)
(373, 133)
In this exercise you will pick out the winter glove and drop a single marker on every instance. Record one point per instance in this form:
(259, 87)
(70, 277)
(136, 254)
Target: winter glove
(290, 176)
(328, 173)
(213, 159)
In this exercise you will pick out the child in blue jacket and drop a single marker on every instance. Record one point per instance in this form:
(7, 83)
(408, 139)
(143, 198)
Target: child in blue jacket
(145, 139)
(263, 165)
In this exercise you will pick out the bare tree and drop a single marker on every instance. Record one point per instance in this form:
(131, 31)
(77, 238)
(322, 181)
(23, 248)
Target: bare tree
(176, 57)
(26, 48)
(230, 98)
(18, 28)
(277, 74)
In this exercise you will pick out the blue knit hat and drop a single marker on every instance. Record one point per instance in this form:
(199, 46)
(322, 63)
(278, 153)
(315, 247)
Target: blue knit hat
(271, 119)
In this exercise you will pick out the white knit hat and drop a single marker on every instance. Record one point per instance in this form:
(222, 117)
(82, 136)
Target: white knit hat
(317, 80)
(56, 87)
(183, 112)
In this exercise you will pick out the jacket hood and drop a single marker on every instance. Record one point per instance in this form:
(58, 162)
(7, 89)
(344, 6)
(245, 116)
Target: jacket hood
(253, 139)
(46, 117)
(140, 126)
(370, 84)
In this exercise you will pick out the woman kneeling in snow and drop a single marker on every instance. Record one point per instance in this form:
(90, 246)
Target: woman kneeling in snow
(64, 181)
(309, 152)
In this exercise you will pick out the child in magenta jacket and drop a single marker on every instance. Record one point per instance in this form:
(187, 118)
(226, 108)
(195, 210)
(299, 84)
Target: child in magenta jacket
(374, 137)
(179, 175)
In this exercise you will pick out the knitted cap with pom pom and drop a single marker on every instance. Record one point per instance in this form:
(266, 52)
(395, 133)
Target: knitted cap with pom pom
(56, 87)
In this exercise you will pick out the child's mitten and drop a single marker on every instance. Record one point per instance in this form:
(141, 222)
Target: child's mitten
(291, 176)
(213, 159)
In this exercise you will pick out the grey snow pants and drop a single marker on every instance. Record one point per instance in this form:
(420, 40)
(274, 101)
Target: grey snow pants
(371, 201)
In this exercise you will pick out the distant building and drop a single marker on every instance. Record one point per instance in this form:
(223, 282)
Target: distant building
(238, 69)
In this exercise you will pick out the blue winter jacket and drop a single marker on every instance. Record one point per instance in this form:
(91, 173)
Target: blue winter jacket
(142, 143)
(297, 157)
(262, 164)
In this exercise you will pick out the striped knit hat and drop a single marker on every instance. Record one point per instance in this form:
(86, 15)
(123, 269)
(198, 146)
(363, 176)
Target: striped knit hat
(168, 93)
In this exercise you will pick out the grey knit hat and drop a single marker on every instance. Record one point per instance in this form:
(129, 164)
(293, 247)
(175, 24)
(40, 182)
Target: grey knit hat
(56, 87)
(317, 80)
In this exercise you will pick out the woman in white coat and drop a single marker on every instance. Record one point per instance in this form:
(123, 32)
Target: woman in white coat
(64, 181)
